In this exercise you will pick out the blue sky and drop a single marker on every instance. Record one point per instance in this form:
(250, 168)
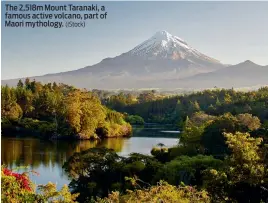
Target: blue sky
(231, 32)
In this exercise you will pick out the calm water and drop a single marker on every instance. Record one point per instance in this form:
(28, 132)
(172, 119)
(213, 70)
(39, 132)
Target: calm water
(47, 157)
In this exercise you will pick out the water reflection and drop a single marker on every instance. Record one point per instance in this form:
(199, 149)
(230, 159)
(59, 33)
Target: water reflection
(33, 152)
(47, 157)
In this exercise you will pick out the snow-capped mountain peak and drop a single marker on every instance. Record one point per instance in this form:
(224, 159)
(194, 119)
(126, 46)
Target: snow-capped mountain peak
(166, 37)
(165, 45)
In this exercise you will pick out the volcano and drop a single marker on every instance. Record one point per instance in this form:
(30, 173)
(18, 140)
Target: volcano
(162, 61)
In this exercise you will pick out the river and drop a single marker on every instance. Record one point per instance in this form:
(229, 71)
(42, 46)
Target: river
(47, 157)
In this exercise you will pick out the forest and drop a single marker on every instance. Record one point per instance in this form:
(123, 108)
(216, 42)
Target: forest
(153, 106)
(221, 157)
(54, 111)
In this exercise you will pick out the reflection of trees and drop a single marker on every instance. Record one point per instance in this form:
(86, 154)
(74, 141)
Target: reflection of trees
(34, 152)
(84, 145)
(15, 150)
(113, 143)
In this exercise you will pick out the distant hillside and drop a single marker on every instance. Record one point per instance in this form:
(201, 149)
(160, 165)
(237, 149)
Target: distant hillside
(245, 74)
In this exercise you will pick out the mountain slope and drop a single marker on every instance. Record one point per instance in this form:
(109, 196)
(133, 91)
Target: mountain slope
(162, 61)
(161, 57)
(244, 74)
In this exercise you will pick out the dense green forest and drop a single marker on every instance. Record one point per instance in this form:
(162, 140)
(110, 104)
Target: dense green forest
(155, 107)
(221, 157)
(58, 111)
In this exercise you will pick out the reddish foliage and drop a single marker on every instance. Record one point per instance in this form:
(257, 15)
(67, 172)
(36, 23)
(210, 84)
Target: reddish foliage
(21, 178)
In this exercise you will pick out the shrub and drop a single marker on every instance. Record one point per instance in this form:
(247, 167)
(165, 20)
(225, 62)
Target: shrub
(15, 187)
(135, 119)
(18, 188)
(162, 192)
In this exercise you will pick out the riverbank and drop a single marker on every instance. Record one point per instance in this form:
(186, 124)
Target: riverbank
(48, 130)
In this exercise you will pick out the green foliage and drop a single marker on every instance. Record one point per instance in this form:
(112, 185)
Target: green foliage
(84, 112)
(135, 119)
(96, 165)
(213, 138)
(245, 161)
(206, 131)
(114, 125)
(49, 193)
(243, 175)
(59, 111)
(148, 105)
(188, 150)
(174, 109)
(187, 169)
(36, 125)
(162, 192)
(9, 108)
(193, 107)
(193, 128)
(114, 117)
(107, 170)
